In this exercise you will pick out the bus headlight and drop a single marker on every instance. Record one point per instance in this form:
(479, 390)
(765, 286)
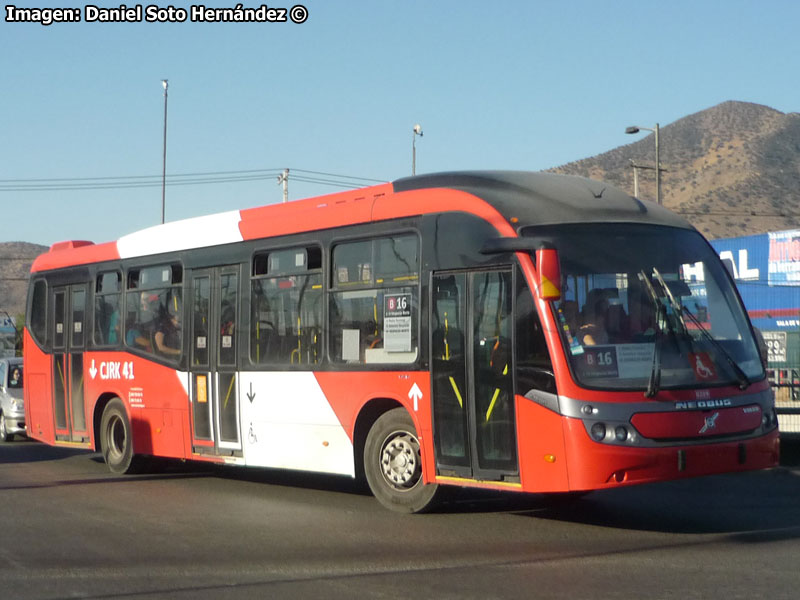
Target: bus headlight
(621, 433)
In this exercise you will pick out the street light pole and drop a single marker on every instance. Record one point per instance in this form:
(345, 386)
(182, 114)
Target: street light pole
(417, 132)
(165, 83)
(636, 129)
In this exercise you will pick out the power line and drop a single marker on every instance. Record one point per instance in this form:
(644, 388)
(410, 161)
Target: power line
(127, 185)
(38, 179)
(178, 179)
(335, 175)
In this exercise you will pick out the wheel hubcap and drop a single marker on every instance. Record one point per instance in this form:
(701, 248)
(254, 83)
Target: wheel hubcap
(400, 460)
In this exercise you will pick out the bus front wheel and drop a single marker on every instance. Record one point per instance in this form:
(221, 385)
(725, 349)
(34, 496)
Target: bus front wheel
(116, 443)
(393, 464)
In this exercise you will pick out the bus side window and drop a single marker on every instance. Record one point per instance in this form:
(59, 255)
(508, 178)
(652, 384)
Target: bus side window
(107, 304)
(286, 305)
(534, 367)
(374, 307)
(37, 314)
(154, 304)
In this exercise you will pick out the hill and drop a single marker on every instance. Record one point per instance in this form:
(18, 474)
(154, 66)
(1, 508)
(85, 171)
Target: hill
(15, 265)
(733, 169)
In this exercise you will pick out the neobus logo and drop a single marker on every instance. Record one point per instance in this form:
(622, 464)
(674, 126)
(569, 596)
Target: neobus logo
(707, 404)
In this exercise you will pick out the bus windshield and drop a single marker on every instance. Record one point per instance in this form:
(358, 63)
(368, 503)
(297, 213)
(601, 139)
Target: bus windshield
(648, 308)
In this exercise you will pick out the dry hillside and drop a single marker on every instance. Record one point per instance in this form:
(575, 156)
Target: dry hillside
(733, 169)
(15, 266)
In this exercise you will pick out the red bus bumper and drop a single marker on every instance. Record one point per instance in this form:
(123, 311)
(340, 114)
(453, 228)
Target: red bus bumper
(593, 465)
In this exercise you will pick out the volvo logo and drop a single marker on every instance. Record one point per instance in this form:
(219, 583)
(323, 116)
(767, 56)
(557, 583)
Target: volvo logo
(711, 423)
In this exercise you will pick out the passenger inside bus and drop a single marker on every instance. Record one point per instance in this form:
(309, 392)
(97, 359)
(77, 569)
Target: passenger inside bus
(593, 331)
(167, 337)
(138, 326)
(112, 337)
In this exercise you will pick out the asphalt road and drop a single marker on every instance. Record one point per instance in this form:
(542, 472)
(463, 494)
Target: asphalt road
(71, 529)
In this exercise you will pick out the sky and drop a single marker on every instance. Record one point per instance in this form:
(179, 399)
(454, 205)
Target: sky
(506, 85)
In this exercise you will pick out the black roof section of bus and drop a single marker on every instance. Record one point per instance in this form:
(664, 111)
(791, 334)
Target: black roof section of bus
(547, 198)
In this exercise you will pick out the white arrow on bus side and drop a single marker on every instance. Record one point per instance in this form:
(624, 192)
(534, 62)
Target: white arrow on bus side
(415, 394)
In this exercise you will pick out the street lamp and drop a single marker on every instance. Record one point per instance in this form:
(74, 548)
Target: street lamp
(636, 129)
(165, 83)
(417, 132)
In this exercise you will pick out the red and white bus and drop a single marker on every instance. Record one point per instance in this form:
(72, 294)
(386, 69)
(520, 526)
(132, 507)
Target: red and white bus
(504, 330)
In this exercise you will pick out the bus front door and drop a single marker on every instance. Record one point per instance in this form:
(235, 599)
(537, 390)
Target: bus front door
(69, 342)
(471, 374)
(213, 359)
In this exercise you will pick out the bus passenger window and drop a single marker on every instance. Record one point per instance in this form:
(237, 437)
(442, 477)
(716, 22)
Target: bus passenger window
(153, 312)
(374, 308)
(286, 305)
(37, 316)
(107, 307)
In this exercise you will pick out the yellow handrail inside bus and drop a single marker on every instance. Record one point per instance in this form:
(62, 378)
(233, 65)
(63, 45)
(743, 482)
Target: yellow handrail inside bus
(228, 395)
(458, 394)
(494, 397)
(297, 351)
(491, 405)
(61, 376)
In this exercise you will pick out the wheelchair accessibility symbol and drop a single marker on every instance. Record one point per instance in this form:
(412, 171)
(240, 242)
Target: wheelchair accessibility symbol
(703, 366)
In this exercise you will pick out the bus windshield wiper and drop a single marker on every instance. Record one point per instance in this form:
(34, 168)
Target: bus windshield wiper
(674, 304)
(654, 382)
(741, 376)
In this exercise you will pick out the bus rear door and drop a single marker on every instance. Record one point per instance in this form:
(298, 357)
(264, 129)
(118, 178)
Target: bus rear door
(69, 342)
(213, 360)
(473, 401)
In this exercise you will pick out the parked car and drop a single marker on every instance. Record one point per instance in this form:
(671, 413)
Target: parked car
(12, 407)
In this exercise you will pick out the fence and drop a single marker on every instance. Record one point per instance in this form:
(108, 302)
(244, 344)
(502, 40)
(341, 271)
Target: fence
(786, 384)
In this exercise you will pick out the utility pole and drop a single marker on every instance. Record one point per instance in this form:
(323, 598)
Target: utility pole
(284, 179)
(658, 168)
(636, 176)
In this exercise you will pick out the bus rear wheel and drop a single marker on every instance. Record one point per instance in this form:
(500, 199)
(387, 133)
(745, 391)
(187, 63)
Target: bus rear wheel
(393, 464)
(116, 443)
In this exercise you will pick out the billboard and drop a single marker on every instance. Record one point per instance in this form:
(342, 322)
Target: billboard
(784, 257)
(767, 272)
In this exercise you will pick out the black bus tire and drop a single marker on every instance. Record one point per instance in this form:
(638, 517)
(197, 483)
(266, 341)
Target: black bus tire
(116, 442)
(393, 464)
